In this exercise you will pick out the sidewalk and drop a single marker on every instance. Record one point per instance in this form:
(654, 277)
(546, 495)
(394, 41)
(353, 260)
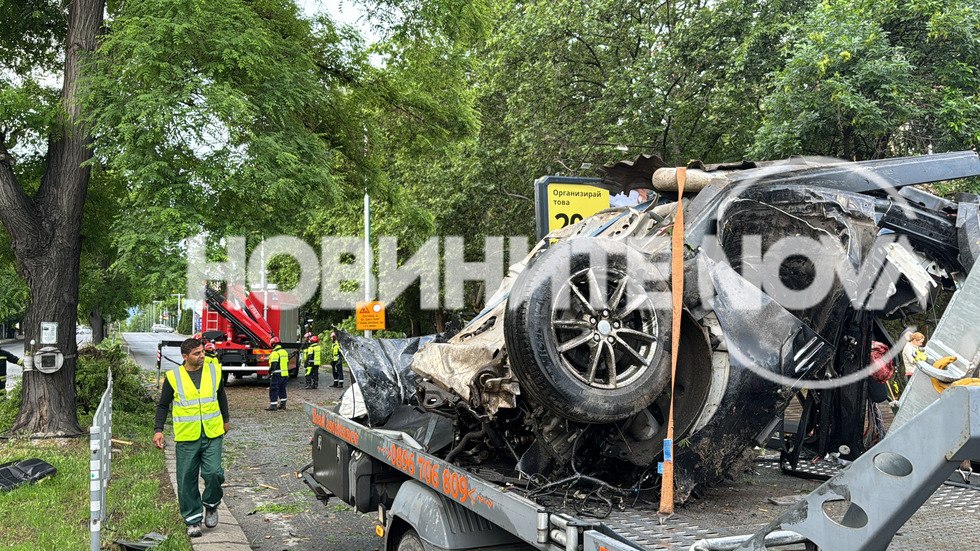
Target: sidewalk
(227, 535)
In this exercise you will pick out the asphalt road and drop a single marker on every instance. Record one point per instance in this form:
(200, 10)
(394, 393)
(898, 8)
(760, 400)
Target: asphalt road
(143, 349)
(261, 452)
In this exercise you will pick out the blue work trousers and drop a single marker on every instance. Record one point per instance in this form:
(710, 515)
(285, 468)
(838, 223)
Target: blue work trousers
(277, 387)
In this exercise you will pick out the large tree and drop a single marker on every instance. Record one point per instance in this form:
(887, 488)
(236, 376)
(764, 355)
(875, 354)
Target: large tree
(215, 116)
(44, 222)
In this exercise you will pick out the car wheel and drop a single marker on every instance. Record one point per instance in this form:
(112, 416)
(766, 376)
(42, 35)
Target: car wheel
(410, 541)
(586, 332)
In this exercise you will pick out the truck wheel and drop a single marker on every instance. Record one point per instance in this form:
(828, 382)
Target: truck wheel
(410, 541)
(585, 337)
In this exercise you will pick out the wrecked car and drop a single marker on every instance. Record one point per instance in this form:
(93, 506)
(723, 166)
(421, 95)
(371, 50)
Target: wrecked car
(790, 267)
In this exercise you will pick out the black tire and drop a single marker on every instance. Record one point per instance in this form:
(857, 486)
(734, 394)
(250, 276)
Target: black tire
(224, 378)
(596, 350)
(410, 541)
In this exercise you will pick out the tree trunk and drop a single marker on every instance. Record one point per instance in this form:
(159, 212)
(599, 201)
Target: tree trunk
(440, 323)
(97, 322)
(45, 234)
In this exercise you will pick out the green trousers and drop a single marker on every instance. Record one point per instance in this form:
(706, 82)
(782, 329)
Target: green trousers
(199, 458)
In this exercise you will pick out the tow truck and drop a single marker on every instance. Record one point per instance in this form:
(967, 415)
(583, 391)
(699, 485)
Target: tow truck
(489, 490)
(242, 326)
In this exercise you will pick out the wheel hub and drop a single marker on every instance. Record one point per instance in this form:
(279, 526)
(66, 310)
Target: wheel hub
(606, 335)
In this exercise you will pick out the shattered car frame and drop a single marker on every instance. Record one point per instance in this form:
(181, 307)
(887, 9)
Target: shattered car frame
(791, 266)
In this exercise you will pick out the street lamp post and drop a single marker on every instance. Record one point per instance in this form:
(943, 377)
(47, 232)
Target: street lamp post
(180, 311)
(155, 302)
(367, 253)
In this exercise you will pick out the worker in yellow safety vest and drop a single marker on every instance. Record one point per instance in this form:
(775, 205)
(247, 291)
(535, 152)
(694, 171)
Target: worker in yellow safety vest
(313, 358)
(200, 417)
(336, 363)
(211, 354)
(278, 376)
(211, 357)
(4, 358)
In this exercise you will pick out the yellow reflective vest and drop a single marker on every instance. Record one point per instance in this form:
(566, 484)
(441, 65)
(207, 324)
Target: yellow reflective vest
(315, 351)
(193, 408)
(336, 350)
(279, 357)
(212, 360)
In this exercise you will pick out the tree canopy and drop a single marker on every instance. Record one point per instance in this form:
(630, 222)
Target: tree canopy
(876, 79)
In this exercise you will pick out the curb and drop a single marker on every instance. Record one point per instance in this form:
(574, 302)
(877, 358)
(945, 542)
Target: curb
(227, 535)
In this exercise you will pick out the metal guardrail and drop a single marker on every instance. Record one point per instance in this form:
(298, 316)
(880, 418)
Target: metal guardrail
(100, 444)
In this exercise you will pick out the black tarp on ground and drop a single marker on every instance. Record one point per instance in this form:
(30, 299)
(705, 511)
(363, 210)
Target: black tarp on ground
(15, 473)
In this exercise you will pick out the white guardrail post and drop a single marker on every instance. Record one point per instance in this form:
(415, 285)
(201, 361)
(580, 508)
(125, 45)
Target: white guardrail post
(100, 444)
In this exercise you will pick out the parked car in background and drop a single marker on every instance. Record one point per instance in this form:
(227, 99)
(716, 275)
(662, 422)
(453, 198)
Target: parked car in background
(161, 328)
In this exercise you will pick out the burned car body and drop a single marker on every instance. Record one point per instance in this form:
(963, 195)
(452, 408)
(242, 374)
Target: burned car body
(789, 268)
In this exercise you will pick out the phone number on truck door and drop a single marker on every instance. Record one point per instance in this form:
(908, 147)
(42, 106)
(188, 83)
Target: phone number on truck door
(451, 483)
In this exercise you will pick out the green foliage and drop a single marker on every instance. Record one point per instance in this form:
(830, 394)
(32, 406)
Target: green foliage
(186, 324)
(452, 21)
(28, 39)
(28, 113)
(290, 509)
(137, 322)
(13, 297)
(128, 393)
(110, 280)
(218, 110)
(877, 79)
(682, 81)
(10, 406)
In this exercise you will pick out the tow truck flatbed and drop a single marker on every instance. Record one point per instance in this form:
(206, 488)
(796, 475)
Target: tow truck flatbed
(946, 520)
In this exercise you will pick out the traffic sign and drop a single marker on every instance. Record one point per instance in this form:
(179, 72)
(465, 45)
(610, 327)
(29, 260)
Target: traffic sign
(370, 316)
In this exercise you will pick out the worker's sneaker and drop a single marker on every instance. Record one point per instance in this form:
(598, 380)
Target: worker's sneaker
(210, 517)
(282, 406)
(272, 407)
(194, 530)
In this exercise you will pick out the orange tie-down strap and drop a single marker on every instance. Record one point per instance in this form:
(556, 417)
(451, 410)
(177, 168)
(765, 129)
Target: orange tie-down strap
(677, 294)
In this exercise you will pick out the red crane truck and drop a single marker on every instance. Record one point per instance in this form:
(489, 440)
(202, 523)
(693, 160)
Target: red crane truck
(242, 324)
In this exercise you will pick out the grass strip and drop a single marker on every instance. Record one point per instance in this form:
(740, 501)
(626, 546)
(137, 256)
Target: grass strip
(53, 514)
